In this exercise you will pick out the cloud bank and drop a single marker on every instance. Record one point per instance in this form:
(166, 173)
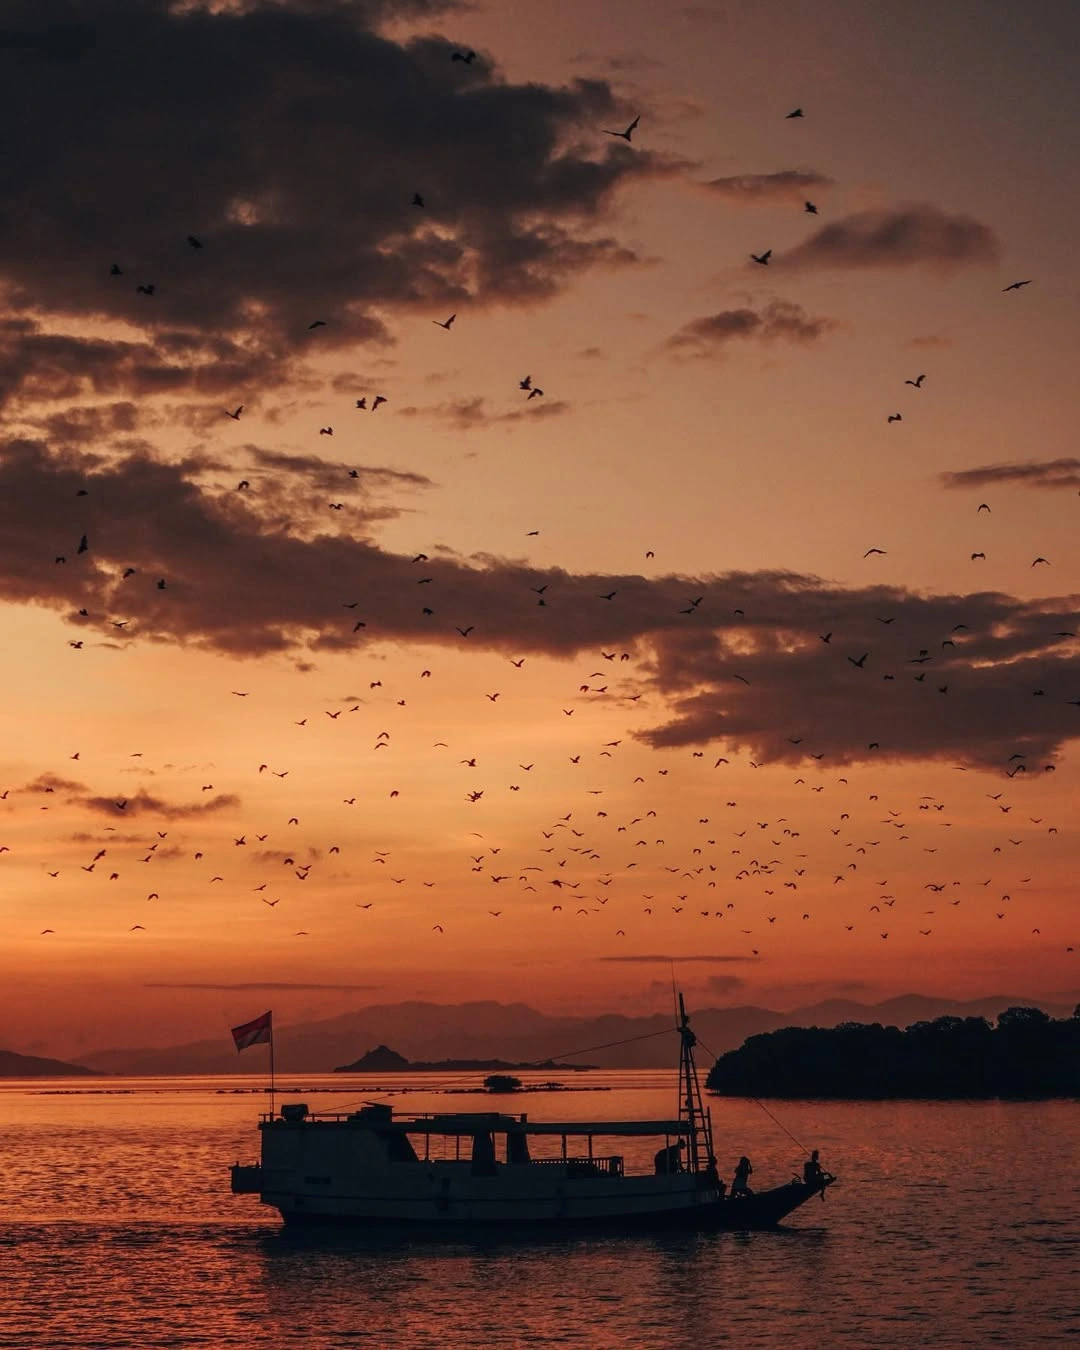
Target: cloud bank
(905, 236)
(738, 659)
(779, 321)
(1047, 473)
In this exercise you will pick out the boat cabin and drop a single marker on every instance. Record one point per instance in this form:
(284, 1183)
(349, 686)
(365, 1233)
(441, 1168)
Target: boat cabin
(481, 1142)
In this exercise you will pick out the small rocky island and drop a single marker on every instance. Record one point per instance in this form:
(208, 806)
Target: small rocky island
(13, 1065)
(1025, 1054)
(384, 1060)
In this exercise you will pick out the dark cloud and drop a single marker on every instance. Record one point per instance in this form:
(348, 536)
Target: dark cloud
(713, 959)
(1046, 473)
(38, 366)
(779, 321)
(80, 426)
(326, 478)
(903, 236)
(86, 837)
(275, 987)
(737, 659)
(145, 804)
(476, 414)
(288, 138)
(762, 189)
(53, 782)
(767, 680)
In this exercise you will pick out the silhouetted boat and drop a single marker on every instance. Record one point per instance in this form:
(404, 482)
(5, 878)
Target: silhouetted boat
(377, 1171)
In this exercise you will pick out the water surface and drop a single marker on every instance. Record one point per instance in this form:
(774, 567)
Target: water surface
(954, 1224)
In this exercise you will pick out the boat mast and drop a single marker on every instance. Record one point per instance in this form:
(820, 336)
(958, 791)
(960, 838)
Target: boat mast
(691, 1107)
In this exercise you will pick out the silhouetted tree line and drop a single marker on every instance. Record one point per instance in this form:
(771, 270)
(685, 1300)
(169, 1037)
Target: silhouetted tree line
(1026, 1054)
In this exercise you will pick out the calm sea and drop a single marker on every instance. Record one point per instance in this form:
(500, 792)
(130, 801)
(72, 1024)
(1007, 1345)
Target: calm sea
(952, 1225)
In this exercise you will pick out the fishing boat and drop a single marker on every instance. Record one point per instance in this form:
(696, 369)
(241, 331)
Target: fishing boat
(479, 1171)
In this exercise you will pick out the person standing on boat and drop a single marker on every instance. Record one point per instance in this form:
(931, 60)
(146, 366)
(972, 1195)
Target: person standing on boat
(739, 1184)
(668, 1160)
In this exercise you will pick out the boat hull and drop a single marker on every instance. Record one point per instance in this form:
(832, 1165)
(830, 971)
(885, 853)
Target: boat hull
(744, 1213)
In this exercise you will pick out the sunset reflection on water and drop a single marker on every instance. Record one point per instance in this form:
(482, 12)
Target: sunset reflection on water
(953, 1225)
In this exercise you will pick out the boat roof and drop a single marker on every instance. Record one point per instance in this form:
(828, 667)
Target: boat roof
(471, 1122)
(475, 1122)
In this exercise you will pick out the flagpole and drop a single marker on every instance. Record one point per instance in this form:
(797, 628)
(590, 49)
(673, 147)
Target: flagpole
(273, 1088)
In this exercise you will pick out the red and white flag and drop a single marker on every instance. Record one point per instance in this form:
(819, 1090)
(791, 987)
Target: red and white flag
(256, 1032)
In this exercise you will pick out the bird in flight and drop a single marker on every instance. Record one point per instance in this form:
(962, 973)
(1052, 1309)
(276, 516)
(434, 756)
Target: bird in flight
(797, 112)
(810, 209)
(873, 550)
(447, 324)
(917, 382)
(1015, 286)
(762, 259)
(895, 417)
(195, 243)
(466, 57)
(417, 200)
(235, 415)
(625, 135)
(319, 323)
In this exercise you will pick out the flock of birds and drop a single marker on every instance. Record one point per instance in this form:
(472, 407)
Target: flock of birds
(585, 863)
(635, 848)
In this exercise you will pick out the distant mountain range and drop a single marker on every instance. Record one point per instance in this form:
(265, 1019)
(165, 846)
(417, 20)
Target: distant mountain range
(384, 1060)
(31, 1066)
(520, 1034)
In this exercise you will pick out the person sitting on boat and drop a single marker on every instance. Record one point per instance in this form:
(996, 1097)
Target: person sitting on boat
(739, 1184)
(668, 1160)
(815, 1175)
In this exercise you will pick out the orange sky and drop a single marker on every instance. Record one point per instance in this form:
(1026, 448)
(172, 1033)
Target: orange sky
(709, 428)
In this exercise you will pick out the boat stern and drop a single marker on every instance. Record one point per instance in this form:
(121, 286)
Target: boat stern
(246, 1178)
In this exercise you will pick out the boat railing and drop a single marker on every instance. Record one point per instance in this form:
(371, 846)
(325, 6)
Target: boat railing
(583, 1165)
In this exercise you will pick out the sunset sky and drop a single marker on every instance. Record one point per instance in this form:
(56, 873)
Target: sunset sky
(600, 611)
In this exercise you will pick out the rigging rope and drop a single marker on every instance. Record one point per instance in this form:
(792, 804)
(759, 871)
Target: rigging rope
(608, 1045)
(759, 1102)
(535, 1064)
